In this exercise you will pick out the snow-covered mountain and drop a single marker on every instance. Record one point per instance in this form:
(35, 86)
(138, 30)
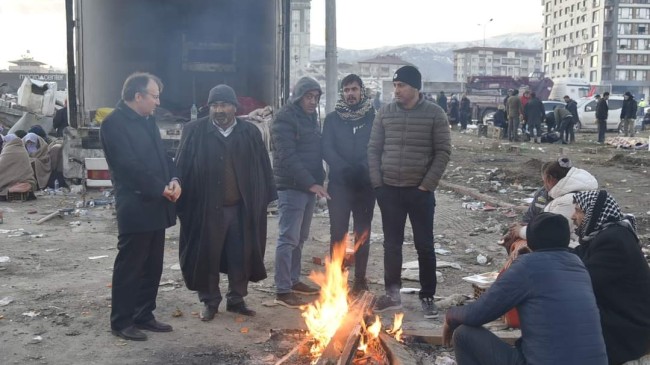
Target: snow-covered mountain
(435, 60)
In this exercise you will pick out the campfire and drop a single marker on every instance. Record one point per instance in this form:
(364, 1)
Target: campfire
(343, 331)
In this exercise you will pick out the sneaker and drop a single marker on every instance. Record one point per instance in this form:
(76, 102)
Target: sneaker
(429, 308)
(290, 300)
(386, 303)
(359, 286)
(302, 288)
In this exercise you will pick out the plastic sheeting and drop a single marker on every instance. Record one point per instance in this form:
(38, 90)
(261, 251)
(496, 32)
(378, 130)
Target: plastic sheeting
(37, 96)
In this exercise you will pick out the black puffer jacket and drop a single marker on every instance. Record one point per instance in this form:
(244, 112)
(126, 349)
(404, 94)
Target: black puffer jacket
(297, 155)
(345, 148)
(602, 109)
(628, 111)
(572, 107)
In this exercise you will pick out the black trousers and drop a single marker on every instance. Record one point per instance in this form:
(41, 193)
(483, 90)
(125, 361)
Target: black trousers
(233, 250)
(136, 276)
(479, 346)
(396, 204)
(602, 128)
(361, 203)
(566, 130)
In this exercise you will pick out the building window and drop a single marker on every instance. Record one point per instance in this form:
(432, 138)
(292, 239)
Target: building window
(594, 61)
(621, 75)
(593, 75)
(624, 13)
(624, 29)
(595, 30)
(594, 16)
(623, 44)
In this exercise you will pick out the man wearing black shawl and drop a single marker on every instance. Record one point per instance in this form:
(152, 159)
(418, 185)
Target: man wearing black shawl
(228, 183)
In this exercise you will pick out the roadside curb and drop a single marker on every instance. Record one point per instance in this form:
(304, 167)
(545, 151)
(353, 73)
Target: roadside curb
(480, 196)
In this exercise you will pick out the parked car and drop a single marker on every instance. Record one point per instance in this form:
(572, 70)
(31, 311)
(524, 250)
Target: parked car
(587, 113)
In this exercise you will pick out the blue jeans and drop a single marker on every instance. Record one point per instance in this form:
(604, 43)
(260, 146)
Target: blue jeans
(479, 346)
(296, 209)
(396, 203)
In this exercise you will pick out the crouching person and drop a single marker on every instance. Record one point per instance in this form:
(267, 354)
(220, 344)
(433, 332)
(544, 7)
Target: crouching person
(551, 289)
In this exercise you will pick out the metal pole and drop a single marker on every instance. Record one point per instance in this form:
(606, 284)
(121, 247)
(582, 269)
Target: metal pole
(331, 71)
(73, 117)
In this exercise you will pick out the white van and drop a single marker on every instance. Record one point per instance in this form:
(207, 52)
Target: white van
(587, 113)
(575, 88)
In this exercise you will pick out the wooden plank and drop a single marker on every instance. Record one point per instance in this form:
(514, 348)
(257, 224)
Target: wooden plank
(434, 337)
(346, 333)
(397, 353)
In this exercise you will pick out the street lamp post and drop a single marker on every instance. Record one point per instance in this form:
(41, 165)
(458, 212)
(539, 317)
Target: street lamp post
(485, 25)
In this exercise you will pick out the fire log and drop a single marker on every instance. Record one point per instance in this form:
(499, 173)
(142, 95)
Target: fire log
(397, 353)
(343, 346)
(434, 337)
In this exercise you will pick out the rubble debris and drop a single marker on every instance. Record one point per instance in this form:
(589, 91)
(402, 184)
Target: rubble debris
(482, 259)
(6, 301)
(97, 257)
(453, 300)
(444, 360)
(31, 314)
(4, 259)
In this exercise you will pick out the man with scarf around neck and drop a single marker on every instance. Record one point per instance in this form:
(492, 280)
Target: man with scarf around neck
(408, 152)
(299, 175)
(228, 184)
(610, 250)
(552, 292)
(346, 133)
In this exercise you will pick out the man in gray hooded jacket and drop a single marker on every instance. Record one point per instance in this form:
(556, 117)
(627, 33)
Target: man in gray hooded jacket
(299, 176)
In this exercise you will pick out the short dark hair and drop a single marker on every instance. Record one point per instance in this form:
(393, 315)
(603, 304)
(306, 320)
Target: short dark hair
(532, 95)
(558, 169)
(137, 83)
(347, 80)
(606, 93)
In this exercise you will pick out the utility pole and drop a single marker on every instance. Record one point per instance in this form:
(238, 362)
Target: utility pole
(331, 67)
(485, 25)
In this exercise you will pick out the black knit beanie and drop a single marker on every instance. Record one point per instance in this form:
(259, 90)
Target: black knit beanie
(409, 75)
(548, 230)
(223, 93)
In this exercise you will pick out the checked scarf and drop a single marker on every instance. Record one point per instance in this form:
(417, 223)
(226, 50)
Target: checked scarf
(601, 210)
(356, 111)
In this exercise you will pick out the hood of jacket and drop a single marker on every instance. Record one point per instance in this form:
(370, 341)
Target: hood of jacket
(304, 85)
(575, 180)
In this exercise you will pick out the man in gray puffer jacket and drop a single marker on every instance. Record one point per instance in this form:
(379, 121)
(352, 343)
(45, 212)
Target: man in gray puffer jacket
(299, 175)
(408, 152)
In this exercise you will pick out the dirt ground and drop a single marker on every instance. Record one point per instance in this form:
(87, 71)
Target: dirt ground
(55, 293)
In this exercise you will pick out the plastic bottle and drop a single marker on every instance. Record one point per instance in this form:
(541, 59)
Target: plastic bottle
(56, 185)
(194, 112)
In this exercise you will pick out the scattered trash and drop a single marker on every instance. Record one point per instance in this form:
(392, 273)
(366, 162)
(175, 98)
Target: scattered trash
(75, 223)
(473, 205)
(167, 282)
(442, 251)
(177, 313)
(40, 235)
(52, 249)
(244, 330)
(31, 314)
(5, 301)
(409, 291)
(481, 259)
(4, 259)
(36, 339)
(97, 257)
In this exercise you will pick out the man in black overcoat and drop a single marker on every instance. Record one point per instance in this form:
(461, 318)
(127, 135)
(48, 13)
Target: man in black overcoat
(228, 182)
(146, 187)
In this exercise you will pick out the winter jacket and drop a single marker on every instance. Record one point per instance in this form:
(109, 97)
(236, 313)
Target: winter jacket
(562, 195)
(296, 136)
(540, 200)
(628, 111)
(442, 101)
(465, 105)
(561, 113)
(499, 118)
(602, 109)
(552, 292)
(345, 148)
(514, 107)
(572, 107)
(621, 280)
(524, 101)
(534, 111)
(409, 147)
(453, 109)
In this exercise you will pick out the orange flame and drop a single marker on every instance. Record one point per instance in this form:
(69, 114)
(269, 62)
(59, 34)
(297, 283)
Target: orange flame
(397, 326)
(324, 316)
(373, 330)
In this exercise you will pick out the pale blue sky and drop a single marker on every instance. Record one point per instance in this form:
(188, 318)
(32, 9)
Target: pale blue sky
(39, 25)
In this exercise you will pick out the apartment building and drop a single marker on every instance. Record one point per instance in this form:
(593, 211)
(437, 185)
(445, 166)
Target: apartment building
(606, 42)
(300, 38)
(491, 61)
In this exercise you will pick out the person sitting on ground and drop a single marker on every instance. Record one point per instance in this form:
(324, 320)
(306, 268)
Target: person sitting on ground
(39, 156)
(552, 292)
(610, 250)
(17, 174)
(39, 131)
(561, 180)
(499, 119)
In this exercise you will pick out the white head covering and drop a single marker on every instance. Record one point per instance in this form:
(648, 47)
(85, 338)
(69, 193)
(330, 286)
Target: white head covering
(32, 146)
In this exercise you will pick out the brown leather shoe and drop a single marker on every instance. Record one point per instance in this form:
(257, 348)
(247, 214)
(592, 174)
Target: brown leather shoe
(130, 333)
(154, 326)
